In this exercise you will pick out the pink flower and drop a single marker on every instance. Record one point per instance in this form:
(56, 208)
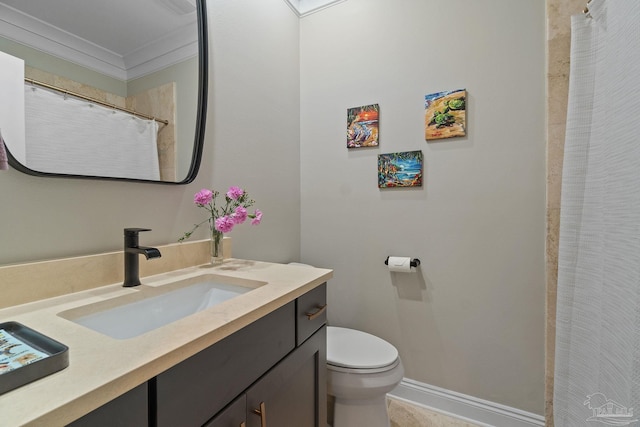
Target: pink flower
(224, 224)
(203, 197)
(224, 215)
(240, 215)
(235, 193)
(257, 217)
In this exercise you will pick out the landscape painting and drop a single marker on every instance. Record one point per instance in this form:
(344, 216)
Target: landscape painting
(400, 169)
(445, 114)
(362, 126)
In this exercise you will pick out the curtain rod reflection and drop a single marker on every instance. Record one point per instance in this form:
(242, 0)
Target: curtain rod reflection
(97, 101)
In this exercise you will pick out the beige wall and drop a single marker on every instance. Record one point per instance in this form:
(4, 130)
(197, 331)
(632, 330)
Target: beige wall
(558, 49)
(473, 320)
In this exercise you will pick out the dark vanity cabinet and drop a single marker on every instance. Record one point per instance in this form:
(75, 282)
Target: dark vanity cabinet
(193, 391)
(235, 415)
(293, 393)
(270, 373)
(130, 409)
(273, 371)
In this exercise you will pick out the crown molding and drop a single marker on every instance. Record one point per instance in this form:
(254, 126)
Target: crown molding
(173, 48)
(304, 8)
(23, 29)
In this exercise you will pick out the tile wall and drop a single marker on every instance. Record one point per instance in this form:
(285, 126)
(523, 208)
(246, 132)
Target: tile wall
(558, 49)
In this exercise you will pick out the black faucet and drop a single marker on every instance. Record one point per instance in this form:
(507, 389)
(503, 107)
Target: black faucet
(131, 252)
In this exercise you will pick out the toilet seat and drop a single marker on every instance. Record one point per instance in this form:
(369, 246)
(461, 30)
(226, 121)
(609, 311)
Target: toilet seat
(349, 350)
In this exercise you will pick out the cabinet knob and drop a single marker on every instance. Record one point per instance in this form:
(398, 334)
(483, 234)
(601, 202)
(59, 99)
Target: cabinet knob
(263, 414)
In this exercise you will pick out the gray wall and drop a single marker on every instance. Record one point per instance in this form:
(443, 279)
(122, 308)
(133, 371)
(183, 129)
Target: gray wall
(473, 320)
(252, 140)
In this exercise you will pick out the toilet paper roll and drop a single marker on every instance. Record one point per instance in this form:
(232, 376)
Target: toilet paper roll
(400, 264)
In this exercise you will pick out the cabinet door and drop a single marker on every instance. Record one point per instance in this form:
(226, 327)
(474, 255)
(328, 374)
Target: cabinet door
(233, 415)
(293, 393)
(193, 391)
(129, 410)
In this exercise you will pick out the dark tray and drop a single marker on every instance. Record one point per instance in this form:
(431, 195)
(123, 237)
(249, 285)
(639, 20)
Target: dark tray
(56, 357)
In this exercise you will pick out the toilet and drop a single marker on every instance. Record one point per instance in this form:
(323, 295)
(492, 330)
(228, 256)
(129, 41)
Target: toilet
(361, 370)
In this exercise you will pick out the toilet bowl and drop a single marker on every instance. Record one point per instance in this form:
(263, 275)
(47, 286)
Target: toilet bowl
(361, 370)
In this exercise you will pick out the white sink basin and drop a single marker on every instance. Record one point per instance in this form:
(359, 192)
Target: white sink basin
(153, 307)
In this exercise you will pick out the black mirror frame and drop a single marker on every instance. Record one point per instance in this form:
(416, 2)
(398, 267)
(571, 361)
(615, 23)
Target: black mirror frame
(203, 90)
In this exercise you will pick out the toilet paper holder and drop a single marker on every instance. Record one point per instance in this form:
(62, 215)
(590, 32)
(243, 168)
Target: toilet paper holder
(415, 262)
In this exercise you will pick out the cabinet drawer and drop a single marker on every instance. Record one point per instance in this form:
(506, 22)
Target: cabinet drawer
(311, 312)
(196, 389)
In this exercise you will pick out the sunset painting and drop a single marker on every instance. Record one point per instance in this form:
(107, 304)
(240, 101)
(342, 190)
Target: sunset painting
(362, 126)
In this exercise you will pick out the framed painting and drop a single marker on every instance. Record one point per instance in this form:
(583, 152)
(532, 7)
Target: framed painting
(400, 169)
(445, 114)
(362, 126)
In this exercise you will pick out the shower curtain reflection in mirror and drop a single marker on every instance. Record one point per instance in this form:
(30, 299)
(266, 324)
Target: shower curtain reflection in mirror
(73, 136)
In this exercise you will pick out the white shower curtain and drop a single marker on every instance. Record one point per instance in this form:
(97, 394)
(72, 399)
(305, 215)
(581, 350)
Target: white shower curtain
(72, 136)
(597, 374)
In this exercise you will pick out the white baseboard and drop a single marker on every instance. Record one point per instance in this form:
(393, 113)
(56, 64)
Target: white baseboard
(468, 408)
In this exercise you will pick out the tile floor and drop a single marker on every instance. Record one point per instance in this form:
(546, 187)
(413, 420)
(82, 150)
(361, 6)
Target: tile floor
(402, 414)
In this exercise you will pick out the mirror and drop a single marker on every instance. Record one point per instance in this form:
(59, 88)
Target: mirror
(113, 89)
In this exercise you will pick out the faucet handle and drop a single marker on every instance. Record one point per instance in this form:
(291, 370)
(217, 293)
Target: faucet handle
(131, 236)
(135, 230)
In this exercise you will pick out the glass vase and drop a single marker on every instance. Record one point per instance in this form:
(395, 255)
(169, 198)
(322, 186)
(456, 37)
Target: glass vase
(216, 247)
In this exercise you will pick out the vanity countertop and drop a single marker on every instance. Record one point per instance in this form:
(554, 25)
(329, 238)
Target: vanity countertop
(102, 368)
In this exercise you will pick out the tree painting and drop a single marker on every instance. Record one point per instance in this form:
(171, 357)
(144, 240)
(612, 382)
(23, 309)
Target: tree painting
(400, 169)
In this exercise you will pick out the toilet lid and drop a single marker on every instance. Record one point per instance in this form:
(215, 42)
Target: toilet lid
(349, 348)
